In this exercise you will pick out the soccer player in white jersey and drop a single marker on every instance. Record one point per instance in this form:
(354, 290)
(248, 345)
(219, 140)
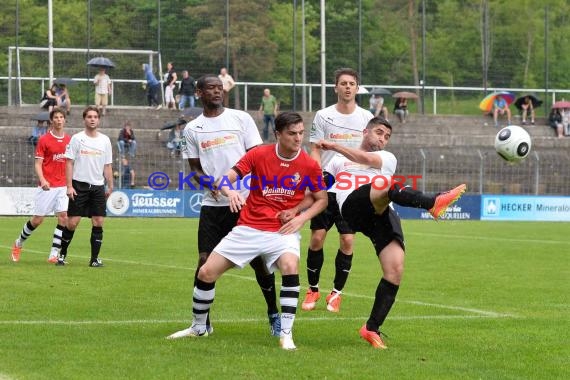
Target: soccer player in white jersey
(213, 143)
(341, 123)
(367, 209)
(89, 166)
(281, 174)
(50, 196)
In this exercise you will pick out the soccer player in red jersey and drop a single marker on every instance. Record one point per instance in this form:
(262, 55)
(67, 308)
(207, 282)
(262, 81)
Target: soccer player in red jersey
(50, 196)
(280, 176)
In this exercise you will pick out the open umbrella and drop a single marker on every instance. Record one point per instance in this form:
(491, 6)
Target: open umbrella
(561, 104)
(487, 102)
(380, 91)
(362, 90)
(42, 116)
(172, 124)
(64, 81)
(100, 62)
(191, 113)
(535, 101)
(405, 94)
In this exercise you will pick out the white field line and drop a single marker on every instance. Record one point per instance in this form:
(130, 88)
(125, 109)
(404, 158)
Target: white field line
(237, 320)
(487, 238)
(478, 312)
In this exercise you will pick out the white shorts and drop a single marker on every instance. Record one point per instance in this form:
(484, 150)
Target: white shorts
(168, 95)
(53, 200)
(244, 244)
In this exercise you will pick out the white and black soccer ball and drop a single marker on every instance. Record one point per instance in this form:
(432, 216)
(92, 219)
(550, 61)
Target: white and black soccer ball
(513, 143)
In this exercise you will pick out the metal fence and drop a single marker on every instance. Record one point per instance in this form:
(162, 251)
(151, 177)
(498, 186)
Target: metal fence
(484, 172)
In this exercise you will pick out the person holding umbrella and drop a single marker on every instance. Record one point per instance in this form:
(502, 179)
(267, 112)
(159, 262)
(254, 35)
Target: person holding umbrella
(527, 107)
(102, 90)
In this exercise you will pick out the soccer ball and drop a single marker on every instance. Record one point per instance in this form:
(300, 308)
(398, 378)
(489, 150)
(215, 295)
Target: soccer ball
(513, 143)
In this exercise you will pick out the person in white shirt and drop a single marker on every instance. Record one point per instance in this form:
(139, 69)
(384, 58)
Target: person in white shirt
(102, 90)
(228, 83)
(88, 167)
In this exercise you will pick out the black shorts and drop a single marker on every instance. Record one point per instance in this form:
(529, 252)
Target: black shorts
(359, 212)
(215, 223)
(89, 200)
(331, 215)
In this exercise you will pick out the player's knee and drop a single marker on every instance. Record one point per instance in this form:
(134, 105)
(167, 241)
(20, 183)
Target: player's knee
(206, 275)
(288, 265)
(346, 243)
(317, 239)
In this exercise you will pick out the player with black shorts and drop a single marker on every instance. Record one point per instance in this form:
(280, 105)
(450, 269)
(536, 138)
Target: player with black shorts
(366, 208)
(213, 143)
(89, 167)
(341, 123)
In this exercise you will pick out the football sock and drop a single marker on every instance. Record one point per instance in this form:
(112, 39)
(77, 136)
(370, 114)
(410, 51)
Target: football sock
(26, 231)
(343, 263)
(408, 197)
(66, 237)
(288, 297)
(266, 282)
(315, 261)
(96, 242)
(57, 234)
(204, 293)
(383, 301)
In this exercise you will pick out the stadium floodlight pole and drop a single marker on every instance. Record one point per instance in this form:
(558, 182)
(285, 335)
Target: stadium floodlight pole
(50, 40)
(323, 58)
(304, 58)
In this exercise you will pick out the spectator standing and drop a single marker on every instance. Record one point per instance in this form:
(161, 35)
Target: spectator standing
(268, 108)
(187, 91)
(228, 83)
(170, 78)
(127, 140)
(103, 85)
(50, 194)
(152, 87)
(89, 165)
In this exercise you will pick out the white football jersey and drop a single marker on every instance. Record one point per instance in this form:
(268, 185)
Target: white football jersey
(331, 125)
(219, 142)
(346, 173)
(89, 155)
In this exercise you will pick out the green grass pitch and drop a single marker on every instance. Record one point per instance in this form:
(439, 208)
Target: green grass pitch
(479, 300)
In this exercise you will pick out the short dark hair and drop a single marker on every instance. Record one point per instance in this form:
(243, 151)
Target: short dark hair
(91, 108)
(285, 119)
(54, 111)
(346, 71)
(378, 120)
(201, 82)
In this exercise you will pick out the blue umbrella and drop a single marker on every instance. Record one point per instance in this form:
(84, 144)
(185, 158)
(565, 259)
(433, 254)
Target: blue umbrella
(100, 62)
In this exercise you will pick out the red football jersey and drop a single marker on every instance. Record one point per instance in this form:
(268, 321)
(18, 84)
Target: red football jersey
(51, 150)
(277, 184)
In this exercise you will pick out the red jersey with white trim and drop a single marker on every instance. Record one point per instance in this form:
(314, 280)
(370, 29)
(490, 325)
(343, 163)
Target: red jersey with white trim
(51, 150)
(277, 184)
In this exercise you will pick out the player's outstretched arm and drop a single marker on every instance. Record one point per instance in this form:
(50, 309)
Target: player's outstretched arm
(353, 154)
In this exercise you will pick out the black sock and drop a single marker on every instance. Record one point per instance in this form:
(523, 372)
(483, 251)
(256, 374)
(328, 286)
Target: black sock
(315, 261)
(66, 237)
(408, 197)
(267, 284)
(383, 301)
(26, 231)
(343, 263)
(96, 241)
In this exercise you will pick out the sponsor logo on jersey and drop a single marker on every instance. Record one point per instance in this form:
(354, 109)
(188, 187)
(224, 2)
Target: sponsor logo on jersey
(218, 142)
(344, 136)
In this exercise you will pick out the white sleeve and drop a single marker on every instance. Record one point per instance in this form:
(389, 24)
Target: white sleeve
(389, 162)
(252, 137)
(71, 148)
(189, 145)
(335, 165)
(317, 129)
(108, 151)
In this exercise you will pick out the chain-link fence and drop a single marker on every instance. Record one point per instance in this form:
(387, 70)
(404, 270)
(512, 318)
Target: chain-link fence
(543, 172)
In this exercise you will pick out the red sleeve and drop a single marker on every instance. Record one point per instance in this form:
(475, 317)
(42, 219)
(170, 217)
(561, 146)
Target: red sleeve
(246, 164)
(317, 181)
(40, 148)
